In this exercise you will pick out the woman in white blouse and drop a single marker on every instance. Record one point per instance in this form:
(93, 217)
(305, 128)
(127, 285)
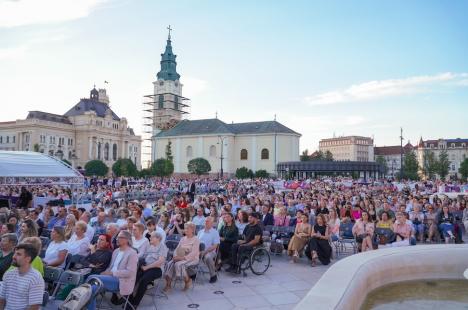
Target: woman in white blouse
(57, 250)
(79, 243)
(139, 241)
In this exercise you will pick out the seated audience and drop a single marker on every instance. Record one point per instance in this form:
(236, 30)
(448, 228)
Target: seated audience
(57, 249)
(363, 229)
(8, 243)
(318, 246)
(100, 255)
(300, 238)
(79, 243)
(139, 242)
(446, 221)
(282, 219)
(185, 255)
(229, 234)
(210, 238)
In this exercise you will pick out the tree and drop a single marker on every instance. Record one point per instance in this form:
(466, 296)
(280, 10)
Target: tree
(328, 156)
(317, 155)
(36, 147)
(244, 173)
(463, 170)
(199, 166)
(305, 155)
(169, 151)
(96, 167)
(410, 166)
(263, 174)
(67, 162)
(146, 172)
(162, 167)
(443, 164)
(381, 160)
(429, 167)
(124, 167)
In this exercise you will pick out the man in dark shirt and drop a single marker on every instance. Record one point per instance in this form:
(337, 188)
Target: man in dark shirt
(252, 237)
(7, 246)
(25, 199)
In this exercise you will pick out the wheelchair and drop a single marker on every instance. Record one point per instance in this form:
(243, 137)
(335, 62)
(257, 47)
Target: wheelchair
(258, 261)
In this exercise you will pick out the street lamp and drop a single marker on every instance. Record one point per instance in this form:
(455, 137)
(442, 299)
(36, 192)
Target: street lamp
(221, 172)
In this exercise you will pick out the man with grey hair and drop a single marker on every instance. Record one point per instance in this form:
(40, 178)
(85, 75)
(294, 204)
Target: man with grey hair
(7, 245)
(113, 230)
(85, 217)
(210, 238)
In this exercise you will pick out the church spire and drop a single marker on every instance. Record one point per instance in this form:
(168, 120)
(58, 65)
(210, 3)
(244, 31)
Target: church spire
(168, 70)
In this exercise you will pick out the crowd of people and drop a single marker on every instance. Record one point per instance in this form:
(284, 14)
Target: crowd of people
(177, 225)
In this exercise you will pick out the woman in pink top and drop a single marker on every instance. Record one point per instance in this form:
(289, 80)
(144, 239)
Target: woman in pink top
(185, 255)
(356, 213)
(364, 229)
(282, 219)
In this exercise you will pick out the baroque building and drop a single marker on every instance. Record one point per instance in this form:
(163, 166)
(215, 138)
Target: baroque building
(89, 130)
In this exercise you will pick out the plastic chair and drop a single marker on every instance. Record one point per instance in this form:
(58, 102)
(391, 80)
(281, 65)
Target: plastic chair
(346, 238)
(52, 275)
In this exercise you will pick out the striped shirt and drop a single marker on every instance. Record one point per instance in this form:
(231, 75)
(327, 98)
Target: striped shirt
(20, 291)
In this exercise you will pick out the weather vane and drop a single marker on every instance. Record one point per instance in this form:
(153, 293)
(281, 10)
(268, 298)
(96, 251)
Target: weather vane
(170, 29)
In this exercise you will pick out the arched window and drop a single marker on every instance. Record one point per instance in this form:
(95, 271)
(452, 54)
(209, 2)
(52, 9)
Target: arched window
(265, 154)
(106, 151)
(189, 151)
(212, 151)
(161, 102)
(99, 150)
(114, 152)
(243, 154)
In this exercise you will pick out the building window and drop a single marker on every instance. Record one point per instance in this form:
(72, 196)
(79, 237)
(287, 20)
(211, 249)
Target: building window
(8, 139)
(265, 154)
(189, 151)
(99, 150)
(161, 102)
(114, 152)
(1, 139)
(243, 154)
(106, 151)
(14, 139)
(212, 151)
(453, 145)
(463, 144)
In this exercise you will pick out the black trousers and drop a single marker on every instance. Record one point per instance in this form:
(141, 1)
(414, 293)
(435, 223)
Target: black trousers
(237, 251)
(143, 279)
(225, 249)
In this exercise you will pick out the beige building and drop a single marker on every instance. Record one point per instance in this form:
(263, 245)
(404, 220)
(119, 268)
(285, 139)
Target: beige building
(350, 148)
(256, 145)
(89, 130)
(457, 151)
(393, 155)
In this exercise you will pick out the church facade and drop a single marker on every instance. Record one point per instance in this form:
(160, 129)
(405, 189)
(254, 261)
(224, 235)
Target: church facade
(227, 147)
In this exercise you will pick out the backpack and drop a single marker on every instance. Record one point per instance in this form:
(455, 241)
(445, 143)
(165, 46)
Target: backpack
(78, 298)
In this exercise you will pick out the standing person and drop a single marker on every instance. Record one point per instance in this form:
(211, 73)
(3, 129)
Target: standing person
(210, 238)
(23, 287)
(25, 199)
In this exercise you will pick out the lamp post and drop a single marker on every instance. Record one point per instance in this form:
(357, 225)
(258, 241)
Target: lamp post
(221, 172)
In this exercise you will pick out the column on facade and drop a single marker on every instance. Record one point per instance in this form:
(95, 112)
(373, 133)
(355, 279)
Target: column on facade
(177, 157)
(253, 157)
(90, 147)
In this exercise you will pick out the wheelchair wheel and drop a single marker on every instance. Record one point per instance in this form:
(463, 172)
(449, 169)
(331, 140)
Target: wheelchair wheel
(259, 261)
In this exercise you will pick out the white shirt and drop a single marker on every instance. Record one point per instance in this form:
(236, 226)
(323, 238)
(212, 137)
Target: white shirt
(140, 245)
(208, 238)
(199, 220)
(52, 252)
(90, 232)
(78, 247)
(160, 231)
(118, 258)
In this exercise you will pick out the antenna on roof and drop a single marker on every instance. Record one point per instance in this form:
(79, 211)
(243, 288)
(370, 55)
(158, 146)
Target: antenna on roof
(216, 115)
(275, 118)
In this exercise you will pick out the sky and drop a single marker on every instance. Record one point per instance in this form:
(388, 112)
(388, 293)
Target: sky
(324, 68)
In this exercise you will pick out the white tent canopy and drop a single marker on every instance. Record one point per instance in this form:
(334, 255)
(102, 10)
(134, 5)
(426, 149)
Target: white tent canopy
(36, 168)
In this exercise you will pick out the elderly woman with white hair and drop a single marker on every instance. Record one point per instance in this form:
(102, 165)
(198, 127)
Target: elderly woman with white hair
(185, 255)
(151, 267)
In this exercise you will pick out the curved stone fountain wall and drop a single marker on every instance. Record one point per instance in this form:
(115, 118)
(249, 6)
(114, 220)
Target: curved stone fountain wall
(346, 283)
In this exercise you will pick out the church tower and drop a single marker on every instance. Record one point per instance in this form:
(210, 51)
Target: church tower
(167, 103)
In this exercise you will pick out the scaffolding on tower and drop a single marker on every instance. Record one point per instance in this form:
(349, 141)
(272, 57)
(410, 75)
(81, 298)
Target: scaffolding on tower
(160, 116)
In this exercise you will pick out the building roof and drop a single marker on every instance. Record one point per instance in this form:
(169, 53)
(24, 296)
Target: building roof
(458, 142)
(329, 166)
(216, 126)
(392, 150)
(86, 105)
(168, 70)
(32, 164)
(48, 117)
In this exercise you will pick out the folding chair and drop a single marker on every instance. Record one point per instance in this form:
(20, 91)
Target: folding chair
(45, 242)
(68, 260)
(51, 276)
(346, 238)
(45, 298)
(67, 278)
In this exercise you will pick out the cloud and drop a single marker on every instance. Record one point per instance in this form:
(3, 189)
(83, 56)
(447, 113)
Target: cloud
(13, 52)
(14, 13)
(194, 86)
(384, 88)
